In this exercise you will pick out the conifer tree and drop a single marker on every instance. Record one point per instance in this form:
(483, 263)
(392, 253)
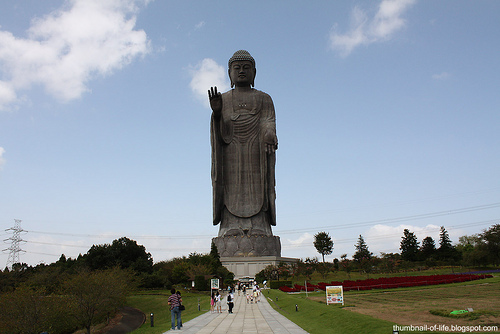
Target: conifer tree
(409, 246)
(362, 251)
(428, 248)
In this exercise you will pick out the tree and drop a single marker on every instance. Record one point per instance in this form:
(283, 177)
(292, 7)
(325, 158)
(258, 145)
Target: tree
(473, 250)
(345, 263)
(266, 274)
(428, 248)
(305, 267)
(200, 283)
(23, 311)
(492, 239)
(92, 295)
(390, 261)
(284, 270)
(409, 246)
(324, 268)
(123, 252)
(362, 251)
(214, 255)
(323, 244)
(446, 251)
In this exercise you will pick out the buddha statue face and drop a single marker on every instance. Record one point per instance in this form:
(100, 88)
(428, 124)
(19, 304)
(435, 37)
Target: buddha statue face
(242, 73)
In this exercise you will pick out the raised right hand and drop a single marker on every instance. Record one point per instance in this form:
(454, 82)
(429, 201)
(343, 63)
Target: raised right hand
(215, 100)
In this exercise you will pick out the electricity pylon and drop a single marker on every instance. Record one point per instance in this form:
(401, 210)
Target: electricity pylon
(15, 248)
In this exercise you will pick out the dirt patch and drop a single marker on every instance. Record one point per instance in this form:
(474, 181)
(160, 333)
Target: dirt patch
(125, 320)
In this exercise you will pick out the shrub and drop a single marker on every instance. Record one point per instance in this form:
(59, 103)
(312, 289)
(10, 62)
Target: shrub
(200, 283)
(278, 284)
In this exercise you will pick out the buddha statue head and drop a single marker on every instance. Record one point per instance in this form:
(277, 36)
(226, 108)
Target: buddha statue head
(241, 69)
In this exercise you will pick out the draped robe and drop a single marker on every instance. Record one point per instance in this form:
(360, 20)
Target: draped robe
(242, 172)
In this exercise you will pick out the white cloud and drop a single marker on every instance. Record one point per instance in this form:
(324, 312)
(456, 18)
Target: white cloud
(207, 74)
(441, 76)
(365, 30)
(301, 247)
(67, 47)
(305, 239)
(200, 25)
(7, 94)
(2, 160)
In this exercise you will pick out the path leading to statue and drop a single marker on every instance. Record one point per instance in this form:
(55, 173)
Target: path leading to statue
(246, 318)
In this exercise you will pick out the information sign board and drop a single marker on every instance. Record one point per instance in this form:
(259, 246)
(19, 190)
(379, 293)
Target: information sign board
(334, 294)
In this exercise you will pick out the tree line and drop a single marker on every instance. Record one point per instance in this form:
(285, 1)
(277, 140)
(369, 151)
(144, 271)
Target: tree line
(70, 294)
(478, 250)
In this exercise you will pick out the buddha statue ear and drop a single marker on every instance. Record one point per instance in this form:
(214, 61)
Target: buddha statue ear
(229, 74)
(253, 79)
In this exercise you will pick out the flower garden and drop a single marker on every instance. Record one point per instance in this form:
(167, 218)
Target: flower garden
(388, 282)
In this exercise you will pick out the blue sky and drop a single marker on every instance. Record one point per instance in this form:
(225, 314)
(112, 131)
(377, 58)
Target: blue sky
(387, 118)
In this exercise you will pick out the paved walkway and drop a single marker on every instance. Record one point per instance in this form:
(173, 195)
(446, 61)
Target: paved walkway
(246, 318)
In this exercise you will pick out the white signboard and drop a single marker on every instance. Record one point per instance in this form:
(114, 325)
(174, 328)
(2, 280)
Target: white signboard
(214, 283)
(335, 294)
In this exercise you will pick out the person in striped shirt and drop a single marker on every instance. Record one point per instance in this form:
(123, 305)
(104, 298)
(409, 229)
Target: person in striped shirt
(175, 301)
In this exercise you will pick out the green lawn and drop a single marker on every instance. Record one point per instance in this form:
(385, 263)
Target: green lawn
(156, 302)
(318, 318)
(404, 304)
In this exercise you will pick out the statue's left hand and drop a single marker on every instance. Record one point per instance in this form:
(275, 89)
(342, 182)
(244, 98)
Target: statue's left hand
(271, 142)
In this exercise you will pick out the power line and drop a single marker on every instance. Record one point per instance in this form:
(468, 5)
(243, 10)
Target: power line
(395, 220)
(293, 231)
(54, 244)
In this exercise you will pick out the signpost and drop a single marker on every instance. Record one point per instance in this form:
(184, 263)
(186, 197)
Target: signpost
(214, 283)
(334, 294)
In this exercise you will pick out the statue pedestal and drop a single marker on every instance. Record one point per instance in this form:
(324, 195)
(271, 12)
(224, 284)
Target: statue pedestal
(245, 256)
(250, 266)
(248, 246)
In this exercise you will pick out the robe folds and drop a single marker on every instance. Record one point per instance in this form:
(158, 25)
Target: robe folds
(243, 177)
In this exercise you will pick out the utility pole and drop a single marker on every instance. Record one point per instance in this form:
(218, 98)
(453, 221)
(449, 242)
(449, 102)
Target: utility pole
(15, 240)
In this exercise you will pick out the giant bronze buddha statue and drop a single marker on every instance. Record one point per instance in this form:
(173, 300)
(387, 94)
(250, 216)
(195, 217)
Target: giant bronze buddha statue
(243, 139)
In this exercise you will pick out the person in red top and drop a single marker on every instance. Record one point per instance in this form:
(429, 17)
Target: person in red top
(175, 301)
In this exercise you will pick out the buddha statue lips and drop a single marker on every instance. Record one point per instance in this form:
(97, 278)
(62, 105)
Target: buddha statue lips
(243, 140)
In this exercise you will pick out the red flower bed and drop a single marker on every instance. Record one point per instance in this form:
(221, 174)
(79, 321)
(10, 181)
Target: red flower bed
(400, 282)
(389, 282)
(288, 289)
(310, 287)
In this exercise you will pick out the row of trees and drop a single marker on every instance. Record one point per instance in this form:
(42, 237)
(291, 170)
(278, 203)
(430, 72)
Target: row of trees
(481, 249)
(122, 253)
(476, 250)
(77, 293)
(81, 300)
(412, 251)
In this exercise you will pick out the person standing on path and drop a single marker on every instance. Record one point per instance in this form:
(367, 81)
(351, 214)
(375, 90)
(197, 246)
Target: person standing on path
(230, 301)
(175, 301)
(179, 321)
(212, 302)
(218, 302)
